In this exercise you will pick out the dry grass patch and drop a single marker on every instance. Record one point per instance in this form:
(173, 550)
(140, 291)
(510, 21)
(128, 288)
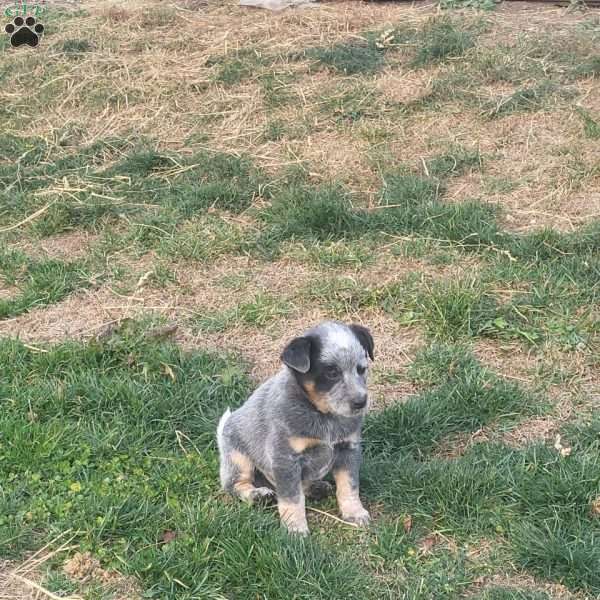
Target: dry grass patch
(85, 570)
(14, 588)
(405, 87)
(191, 291)
(525, 582)
(67, 246)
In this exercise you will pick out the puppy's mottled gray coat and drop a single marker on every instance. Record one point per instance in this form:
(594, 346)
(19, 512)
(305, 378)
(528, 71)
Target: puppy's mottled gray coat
(302, 423)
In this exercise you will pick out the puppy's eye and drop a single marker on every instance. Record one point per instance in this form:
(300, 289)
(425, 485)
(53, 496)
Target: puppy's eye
(361, 370)
(332, 372)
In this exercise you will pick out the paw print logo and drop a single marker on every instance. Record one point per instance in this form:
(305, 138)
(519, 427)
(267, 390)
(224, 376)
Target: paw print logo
(24, 31)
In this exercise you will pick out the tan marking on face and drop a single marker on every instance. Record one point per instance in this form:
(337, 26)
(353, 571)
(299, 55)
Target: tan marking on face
(318, 400)
(245, 482)
(293, 515)
(300, 444)
(347, 495)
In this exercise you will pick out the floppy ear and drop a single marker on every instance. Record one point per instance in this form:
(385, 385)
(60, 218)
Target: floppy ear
(365, 338)
(296, 354)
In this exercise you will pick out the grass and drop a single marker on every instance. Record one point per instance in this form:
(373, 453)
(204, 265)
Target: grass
(38, 282)
(441, 39)
(456, 161)
(124, 458)
(400, 169)
(537, 499)
(141, 181)
(478, 4)
(591, 127)
(350, 58)
(233, 69)
(256, 312)
(526, 99)
(145, 414)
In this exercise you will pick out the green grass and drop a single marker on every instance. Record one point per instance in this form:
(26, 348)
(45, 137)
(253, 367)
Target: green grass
(457, 161)
(439, 39)
(350, 58)
(119, 450)
(76, 46)
(591, 127)
(478, 4)
(511, 593)
(526, 99)
(120, 182)
(335, 254)
(38, 282)
(465, 397)
(114, 440)
(451, 310)
(258, 311)
(588, 68)
(234, 68)
(442, 38)
(275, 88)
(537, 499)
(349, 103)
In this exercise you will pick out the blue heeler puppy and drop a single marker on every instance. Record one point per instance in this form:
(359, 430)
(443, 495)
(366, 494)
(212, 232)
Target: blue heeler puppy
(302, 423)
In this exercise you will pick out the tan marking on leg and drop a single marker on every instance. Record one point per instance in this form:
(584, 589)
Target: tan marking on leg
(318, 400)
(293, 515)
(245, 481)
(300, 444)
(348, 499)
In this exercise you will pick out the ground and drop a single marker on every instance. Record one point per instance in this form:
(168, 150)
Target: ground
(186, 186)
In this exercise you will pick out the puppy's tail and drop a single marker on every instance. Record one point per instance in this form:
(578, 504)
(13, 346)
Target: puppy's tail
(221, 427)
(225, 466)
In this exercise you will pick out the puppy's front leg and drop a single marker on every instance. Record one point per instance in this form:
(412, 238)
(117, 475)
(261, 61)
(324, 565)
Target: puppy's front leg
(290, 496)
(345, 472)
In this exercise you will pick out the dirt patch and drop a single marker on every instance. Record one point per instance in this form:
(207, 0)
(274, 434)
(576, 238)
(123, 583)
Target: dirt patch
(508, 360)
(523, 581)
(66, 246)
(84, 569)
(25, 581)
(15, 588)
(8, 292)
(196, 291)
(542, 429)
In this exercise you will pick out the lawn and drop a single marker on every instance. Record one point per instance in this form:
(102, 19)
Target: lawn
(184, 187)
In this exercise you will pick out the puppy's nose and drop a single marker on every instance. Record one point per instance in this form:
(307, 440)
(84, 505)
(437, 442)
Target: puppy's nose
(359, 402)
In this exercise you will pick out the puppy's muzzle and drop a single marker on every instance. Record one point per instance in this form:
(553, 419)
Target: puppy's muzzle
(359, 402)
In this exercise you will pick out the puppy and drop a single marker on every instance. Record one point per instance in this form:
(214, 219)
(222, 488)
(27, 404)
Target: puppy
(302, 423)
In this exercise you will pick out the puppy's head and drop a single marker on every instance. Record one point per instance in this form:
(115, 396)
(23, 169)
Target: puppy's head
(330, 362)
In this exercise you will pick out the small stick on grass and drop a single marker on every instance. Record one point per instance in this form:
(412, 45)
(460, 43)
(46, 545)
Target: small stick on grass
(326, 514)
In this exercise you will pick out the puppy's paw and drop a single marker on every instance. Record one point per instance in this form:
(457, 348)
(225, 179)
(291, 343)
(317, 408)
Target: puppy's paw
(300, 529)
(318, 490)
(262, 495)
(359, 517)
(293, 516)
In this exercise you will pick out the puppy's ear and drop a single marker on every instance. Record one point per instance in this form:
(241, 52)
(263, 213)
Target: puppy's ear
(296, 354)
(365, 338)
